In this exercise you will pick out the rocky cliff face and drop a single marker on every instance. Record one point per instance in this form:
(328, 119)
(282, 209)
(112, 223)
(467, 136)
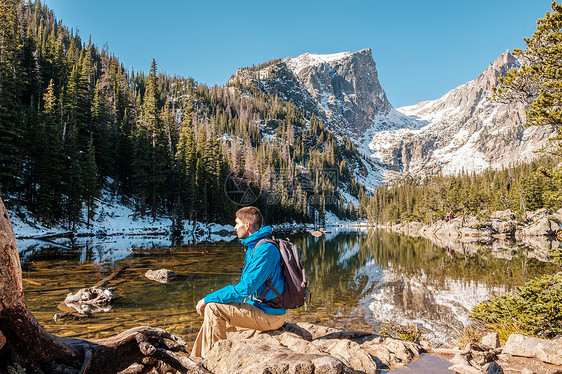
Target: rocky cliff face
(342, 89)
(463, 130)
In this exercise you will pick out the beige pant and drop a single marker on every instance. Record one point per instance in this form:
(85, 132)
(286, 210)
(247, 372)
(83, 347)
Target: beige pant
(222, 318)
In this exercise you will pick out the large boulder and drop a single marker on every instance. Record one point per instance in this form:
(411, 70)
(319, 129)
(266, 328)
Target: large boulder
(549, 351)
(412, 228)
(541, 227)
(307, 348)
(503, 228)
(389, 352)
(537, 214)
(491, 340)
(503, 215)
(349, 352)
(478, 231)
(447, 228)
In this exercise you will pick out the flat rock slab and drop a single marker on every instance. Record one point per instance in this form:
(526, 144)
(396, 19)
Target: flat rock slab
(162, 275)
(491, 340)
(549, 351)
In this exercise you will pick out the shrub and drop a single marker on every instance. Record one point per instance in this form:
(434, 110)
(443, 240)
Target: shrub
(534, 309)
(410, 333)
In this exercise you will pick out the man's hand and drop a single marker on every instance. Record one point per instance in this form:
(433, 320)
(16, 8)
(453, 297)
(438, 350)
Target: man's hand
(200, 306)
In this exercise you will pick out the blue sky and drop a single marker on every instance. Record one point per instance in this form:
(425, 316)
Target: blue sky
(422, 48)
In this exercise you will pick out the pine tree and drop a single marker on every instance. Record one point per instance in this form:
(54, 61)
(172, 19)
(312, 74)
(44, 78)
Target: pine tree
(90, 180)
(151, 156)
(101, 134)
(539, 79)
(48, 168)
(186, 165)
(201, 175)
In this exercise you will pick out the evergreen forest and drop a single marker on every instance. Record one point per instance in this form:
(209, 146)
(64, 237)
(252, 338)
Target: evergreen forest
(520, 188)
(74, 122)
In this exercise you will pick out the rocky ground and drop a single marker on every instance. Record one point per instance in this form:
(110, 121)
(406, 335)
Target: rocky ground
(307, 348)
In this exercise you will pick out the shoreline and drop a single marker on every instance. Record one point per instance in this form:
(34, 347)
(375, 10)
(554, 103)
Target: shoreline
(538, 232)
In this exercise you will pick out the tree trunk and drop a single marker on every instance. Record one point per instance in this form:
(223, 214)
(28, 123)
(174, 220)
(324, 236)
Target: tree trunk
(23, 341)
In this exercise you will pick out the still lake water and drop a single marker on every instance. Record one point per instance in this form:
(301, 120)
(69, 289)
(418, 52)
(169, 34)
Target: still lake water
(358, 279)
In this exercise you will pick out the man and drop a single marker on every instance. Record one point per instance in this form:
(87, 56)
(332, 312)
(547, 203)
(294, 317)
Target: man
(236, 307)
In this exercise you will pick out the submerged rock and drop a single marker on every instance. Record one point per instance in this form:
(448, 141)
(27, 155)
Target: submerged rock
(162, 275)
(307, 348)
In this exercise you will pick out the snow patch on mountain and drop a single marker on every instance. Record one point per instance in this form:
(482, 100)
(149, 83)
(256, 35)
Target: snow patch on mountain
(304, 61)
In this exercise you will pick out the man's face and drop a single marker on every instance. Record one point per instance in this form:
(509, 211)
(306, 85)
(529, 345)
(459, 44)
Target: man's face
(242, 228)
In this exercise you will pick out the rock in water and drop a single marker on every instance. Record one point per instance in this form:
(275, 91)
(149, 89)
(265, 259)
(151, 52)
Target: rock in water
(162, 275)
(90, 300)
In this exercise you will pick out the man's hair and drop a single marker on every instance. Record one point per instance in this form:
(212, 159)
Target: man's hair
(250, 214)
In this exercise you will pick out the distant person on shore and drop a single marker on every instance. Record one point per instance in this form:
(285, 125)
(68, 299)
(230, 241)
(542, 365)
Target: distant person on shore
(238, 307)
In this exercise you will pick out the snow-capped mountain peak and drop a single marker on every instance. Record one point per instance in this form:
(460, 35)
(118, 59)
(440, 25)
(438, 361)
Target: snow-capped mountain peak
(342, 89)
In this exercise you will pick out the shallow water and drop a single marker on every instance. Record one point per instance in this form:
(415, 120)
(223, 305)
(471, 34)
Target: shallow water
(358, 279)
(427, 364)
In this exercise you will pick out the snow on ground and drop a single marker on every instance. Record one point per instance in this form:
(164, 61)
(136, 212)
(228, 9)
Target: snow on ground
(114, 232)
(465, 158)
(332, 220)
(117, 230)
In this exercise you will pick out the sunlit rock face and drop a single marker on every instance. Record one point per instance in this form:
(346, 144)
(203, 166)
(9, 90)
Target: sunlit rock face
(342, 89)
(464, 130)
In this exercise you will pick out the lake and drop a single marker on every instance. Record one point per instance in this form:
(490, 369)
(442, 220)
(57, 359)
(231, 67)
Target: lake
(358, 278)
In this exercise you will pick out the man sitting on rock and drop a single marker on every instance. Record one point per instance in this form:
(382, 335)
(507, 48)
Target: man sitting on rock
(236, 307)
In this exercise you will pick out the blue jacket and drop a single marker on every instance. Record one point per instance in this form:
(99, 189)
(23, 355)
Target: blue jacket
(265, 260)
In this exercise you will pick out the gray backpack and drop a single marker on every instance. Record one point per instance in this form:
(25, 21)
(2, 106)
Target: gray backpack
(296, 284)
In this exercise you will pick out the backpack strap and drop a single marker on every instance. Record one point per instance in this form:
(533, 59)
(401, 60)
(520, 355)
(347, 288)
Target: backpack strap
(268, 284)
(265, 240)
(267, 281)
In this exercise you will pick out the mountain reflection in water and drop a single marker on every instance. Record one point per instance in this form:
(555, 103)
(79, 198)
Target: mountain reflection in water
(409, 280)
(358, 279)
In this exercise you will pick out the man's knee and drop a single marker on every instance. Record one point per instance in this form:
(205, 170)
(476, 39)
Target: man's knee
(211, 310)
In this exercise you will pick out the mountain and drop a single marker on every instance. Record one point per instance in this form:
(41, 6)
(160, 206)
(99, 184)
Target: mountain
(342, 89)
(463, 130)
